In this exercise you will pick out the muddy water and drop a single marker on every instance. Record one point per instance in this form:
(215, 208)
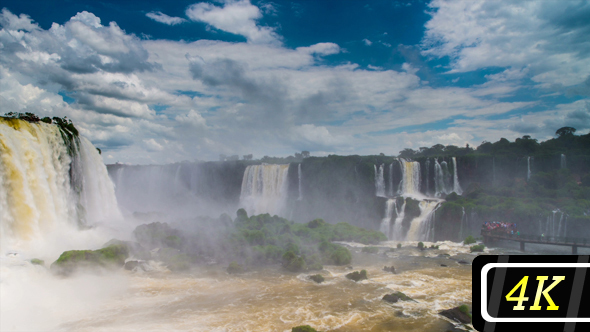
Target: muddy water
(208, 299)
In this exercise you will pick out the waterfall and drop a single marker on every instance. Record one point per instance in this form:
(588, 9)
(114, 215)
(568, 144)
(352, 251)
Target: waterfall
(493, 171)
(299, 177)
(396, 233)
(563, 164)
(49, 182)
(264, 189)
(420, 226)
(456, 186)
(390, 206)
(461, 235)
(441, 178)
(528, 173)
(410, 183)
(427, 176)
(379, 181)
(390, 180)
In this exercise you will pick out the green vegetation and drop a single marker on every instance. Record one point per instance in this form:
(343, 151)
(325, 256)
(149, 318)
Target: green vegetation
(70, 261)
(317, 278)
(465, 309)
(432, 246)
(477, 248)
(235, 268)
(36, 261)
(421, 245)
(469, 240)
(370, 250)
(399, 245)
(357, 276)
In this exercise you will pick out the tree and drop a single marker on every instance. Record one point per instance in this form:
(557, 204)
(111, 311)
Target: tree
(305, 154)
(248, 156)
(565, 131)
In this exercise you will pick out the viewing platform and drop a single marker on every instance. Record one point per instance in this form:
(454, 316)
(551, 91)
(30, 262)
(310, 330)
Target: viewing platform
(574, 242)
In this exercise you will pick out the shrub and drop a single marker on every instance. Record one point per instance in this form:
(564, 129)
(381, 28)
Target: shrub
(399, 245)
(36, 261)
(469, 240)
(292, 262)
(235, 268)
(421, 245)
(370, 250)
(477, 248)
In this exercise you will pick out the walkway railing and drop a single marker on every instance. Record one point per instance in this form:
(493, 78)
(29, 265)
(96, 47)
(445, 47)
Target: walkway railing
(538, 238)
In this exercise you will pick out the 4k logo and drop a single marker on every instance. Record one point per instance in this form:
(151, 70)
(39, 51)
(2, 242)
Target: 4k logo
(516, 292)
(521, 298)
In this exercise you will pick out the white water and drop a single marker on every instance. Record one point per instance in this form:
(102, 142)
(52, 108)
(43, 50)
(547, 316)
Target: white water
(390, 180)
(456, 186)
(563, 164)
(410, 183)
(379, 181)
(421, 225)
(397, 233)
(528, 172)
(43, 190)
(264, 189)
(441, 182)
(385, 227)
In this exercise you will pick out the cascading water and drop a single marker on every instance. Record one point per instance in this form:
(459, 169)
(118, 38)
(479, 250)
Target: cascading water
(410, 183)
(421, 225)
(555, 225)
(390, 180)
(379, 181)
(49, 182)
(264, 189)
(441, 178)
(456, 186)
(390, 206)
(397, 231)
(299, 175)
(427, 176)
(563, 164)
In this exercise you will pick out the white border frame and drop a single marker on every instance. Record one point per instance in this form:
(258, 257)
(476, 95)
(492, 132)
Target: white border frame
(484, 293)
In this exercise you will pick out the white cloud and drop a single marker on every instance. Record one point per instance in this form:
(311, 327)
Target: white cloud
(320, 49)
(163, 18)
(367, 42)
(237, 17)
(542, 38)
(152, 145)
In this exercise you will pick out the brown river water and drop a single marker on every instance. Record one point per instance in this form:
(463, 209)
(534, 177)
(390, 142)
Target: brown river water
(268, 299)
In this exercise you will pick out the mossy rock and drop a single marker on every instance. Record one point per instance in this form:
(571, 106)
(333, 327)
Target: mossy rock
(158, 234)
(317, 278)
(421, 245)
(357, 276)
(235, 268)
(389, 269)
(460, 314)
(37, 261)
(399, 245)
(303, 328)
(112, 256)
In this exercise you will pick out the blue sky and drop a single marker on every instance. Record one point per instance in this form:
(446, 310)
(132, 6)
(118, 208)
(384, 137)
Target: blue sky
(166, 81)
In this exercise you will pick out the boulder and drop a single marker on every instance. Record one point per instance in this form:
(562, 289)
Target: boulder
(397, 296)
(70, 261)
(459, 314)
(357, 276)
(389, 269)
(317, 278)
(303, 328)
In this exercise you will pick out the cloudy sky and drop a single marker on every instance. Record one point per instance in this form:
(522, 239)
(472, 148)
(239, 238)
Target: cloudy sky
(165, 81)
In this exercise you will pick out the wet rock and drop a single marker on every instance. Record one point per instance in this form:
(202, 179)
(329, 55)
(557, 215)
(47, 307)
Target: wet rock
(463, 262)
(459, 314)
(70, 261)
(397, 296)
(137, 265)
(317, 278)
(357, 276)
(443, 265)
(36, 261)
(389, 269)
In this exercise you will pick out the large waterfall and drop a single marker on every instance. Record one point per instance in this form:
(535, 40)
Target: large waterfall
(299, 175)
(49, 182)
(528, 171)
(456, 186)
(264, 189)
(410, 183)
(421, 226)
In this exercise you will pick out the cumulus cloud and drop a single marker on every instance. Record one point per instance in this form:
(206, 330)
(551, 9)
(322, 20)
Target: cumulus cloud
(547, 39)
(163, 18)
(237, 17)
